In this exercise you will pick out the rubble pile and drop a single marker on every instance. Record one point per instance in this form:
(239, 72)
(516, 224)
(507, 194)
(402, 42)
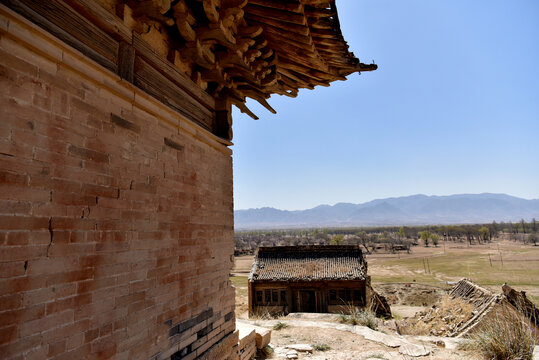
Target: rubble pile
(466, 307)
(443, 319)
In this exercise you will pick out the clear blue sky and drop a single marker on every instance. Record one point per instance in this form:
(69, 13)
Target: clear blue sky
(453, 108)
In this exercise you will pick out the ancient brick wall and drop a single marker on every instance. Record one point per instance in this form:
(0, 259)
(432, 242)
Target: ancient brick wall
(116, 214)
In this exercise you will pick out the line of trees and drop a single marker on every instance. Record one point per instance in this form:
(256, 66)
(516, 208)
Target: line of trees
(389, 238)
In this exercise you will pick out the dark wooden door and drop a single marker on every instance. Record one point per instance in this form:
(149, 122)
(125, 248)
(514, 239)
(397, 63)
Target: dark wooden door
(308, 301)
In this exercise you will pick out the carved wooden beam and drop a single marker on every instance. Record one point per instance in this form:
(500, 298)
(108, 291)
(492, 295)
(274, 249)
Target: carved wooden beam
(286, 26)
(230, 17)
(320, 23)
(260, 97)
(245, 74)
(201, 54)
(260, 44)
(233, 3)
(251, 55)
(317, 3)
(250, 31)
(272, 79)
(293, 6)
(217, 33)
(317, 12)
(283, 32)
(185, 21)
(326, 33)
(218, 75)
(211, 9)
(153, 9)
(275, 14)
(240, 104)
(266, 53)
(244, 44)
(302, 81)
(232, 59)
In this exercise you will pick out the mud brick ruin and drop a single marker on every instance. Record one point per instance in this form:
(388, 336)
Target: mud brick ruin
(116, 204)
(488, 306)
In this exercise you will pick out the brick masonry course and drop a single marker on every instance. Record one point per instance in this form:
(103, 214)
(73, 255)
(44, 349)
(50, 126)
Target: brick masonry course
(116, 214)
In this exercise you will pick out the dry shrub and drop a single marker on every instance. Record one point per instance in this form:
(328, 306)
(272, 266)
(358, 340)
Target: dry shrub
(265, 315)
(415, 328)
(260, 315)
(355, 316)
(280, 325)
(321, 347)
(264, 353)
(505, 335)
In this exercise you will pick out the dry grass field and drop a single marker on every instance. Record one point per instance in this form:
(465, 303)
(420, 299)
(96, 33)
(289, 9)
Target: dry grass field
(490, 265)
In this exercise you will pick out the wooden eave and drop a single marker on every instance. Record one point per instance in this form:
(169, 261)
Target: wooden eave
(302, 38)
(201, 56)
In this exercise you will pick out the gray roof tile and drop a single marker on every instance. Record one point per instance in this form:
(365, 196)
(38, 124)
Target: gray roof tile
(309, 263)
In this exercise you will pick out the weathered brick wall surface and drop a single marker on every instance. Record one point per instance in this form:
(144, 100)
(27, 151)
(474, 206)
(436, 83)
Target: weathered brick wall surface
(116, 216)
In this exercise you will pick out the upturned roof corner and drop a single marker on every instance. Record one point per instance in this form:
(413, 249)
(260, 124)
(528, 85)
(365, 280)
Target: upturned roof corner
(252, 48)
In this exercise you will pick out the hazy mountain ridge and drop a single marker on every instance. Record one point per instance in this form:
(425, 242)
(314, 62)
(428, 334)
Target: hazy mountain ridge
(407, 210)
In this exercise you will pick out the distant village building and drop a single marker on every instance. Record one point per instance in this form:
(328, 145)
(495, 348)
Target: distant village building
(317, 278)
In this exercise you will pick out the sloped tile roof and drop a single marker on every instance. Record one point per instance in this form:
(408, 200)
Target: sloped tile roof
(309, 263)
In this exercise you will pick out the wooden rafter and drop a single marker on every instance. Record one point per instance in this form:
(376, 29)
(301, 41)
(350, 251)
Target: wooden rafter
(260, 47)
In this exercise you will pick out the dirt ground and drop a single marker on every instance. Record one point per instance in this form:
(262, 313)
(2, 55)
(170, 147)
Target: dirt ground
(242, 265)
(411, 294)
(342, 344)
(335, 339)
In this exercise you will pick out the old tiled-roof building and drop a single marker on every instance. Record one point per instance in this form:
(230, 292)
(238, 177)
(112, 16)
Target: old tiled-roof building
(116, 204)
(317, 278)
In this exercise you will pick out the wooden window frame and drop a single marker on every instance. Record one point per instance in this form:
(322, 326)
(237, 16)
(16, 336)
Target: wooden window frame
(344, 296)
(271, 297)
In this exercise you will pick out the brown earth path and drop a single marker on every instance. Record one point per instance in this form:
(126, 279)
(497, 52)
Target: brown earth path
(355, 342)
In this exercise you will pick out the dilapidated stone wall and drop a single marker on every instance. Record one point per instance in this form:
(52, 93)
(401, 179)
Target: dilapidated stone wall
(116, 214)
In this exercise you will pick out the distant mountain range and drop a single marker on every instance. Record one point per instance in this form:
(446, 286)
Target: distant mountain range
(407, 210)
